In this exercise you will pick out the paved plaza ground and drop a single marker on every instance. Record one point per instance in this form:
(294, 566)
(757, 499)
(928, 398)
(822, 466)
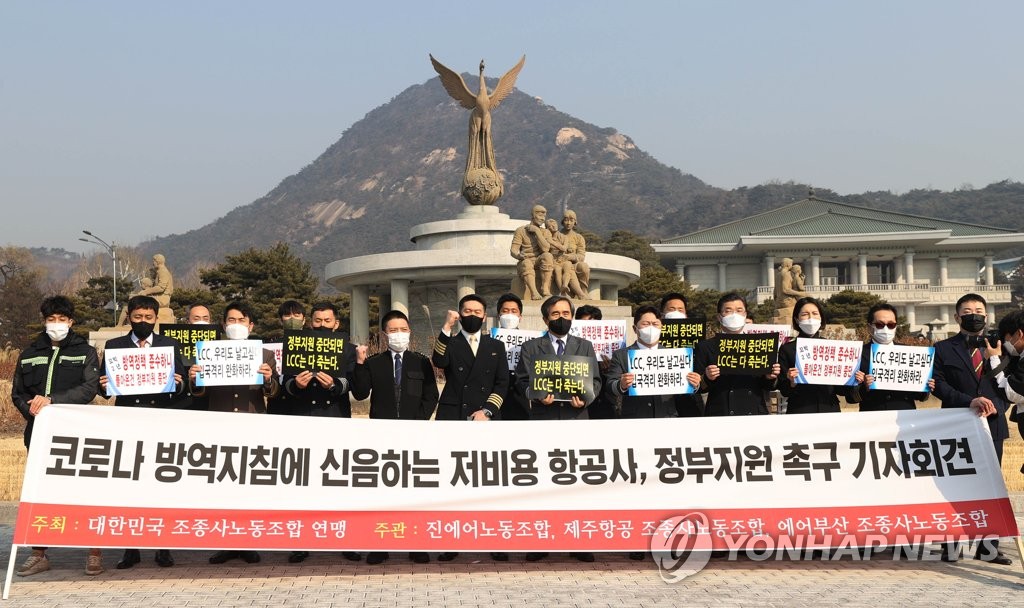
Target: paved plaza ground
(475, 580)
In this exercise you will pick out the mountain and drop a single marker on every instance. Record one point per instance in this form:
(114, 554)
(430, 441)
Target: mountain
(402, 165)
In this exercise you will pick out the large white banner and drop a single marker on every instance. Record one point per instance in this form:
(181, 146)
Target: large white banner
(140, 477)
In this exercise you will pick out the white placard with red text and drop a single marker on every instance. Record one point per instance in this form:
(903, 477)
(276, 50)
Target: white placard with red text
(139, 371)
(832, 362)
(784, 331)
(606, 336)
(116, 477)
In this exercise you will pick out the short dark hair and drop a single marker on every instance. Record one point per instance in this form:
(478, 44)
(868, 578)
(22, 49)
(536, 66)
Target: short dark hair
(732, 296)
(508, 297)
(143, 302)
(325, 305)
(804, 302)
(1011, 323)
(394, 314)
(472, 297)
(969, 297)
(588, 310)
(58, 305)
(242, 307)
(643, 310)
(548, 304)
(673, 295)
(878, 307)
(291, 307)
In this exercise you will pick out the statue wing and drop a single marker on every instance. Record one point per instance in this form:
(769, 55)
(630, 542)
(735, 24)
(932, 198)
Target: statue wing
(454, 84)
(506, 84)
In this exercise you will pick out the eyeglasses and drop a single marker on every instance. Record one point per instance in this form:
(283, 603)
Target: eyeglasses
(880, 325)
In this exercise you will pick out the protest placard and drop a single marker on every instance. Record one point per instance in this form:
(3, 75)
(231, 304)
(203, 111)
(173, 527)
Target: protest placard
(276, 349)
(832, 362)
(139, 371)
(563, 377)
(784, 332)
(513, 340)
(747, 354)
(314, 351)
(229, 362)
(187, 335)
(606, 336)
(901, 368)
(660, 371)
(679, 333)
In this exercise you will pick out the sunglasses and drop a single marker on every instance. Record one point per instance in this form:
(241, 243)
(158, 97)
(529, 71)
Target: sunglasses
(880, 325)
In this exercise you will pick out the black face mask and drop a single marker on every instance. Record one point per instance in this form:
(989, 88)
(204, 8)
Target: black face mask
(142, 330)
(471, 323)
(972, 323)
(323, 329)
(559, 326)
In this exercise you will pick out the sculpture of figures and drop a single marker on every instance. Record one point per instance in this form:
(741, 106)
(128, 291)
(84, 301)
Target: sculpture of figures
(786, 293)
(531, 246)
(577, 251)
(481, 183)
(565, 271)
(799, 278)
(160, 285)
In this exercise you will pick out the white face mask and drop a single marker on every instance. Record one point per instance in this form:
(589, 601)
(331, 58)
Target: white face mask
(57, 331)
(1009, 348)
(734, 321)
(236, 331)
(649, 335)
(675, 314)
(399, 341)
(508, 321)
(884, 335)
(810, 326)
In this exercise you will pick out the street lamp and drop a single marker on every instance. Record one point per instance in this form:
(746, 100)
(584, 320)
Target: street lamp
(113, 256)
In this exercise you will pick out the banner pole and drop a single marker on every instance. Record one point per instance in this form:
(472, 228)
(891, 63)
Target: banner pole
(1016, 539)
(14, 559)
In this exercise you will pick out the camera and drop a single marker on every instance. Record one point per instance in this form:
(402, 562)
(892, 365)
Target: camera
(991, 336)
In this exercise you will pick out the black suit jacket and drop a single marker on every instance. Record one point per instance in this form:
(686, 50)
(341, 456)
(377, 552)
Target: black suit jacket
(649, 406)
(418, 392)
(957, 385)
(315, 400)
(730, 395)
(880, 400)
(559, 410)
(164, 400)
(470, 383)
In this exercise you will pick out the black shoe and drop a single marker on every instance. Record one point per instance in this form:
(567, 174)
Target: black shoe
(420, 558)
(376, 557)
(130, 558)
(1000, 559)
(586, 557)
(720, 554)
(164, 559)
(636, 556)
(222, 556)
(498, 556)
(296, 557)
(536, 556)
(250, 557)
(446, 557)
(352, 556)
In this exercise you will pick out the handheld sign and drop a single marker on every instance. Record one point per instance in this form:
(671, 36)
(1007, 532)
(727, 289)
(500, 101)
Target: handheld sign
(679, 333)
(783, 331)
(660, 371)
(229, 362)
(833, 362)
(747, 354)
(606, 336)
(314, 351)
(563, 377)
(139, 371)
(513, 340)
(187, 335)
(901, 368)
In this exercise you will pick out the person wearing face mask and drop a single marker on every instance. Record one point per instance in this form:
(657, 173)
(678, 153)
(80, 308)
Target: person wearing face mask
(400, 384)
(475, 370)
(808, 318)
(195, 314)
(882, 323)
(322, 393)
(60, 367)
(731, 394)
(673, 306)
(605, 406)
(963, 379)
(1005, 359)
(292, 315)
(515, 405)
(142, 314)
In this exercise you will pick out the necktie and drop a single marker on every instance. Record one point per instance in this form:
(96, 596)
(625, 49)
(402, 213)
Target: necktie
(398, 369)
(977, 361)
(561, 347)
(473, 344)
(142, 344)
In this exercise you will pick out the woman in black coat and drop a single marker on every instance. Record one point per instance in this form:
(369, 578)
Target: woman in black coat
(808, 318)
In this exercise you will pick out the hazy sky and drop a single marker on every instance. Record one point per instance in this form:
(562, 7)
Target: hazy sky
(136, 119)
